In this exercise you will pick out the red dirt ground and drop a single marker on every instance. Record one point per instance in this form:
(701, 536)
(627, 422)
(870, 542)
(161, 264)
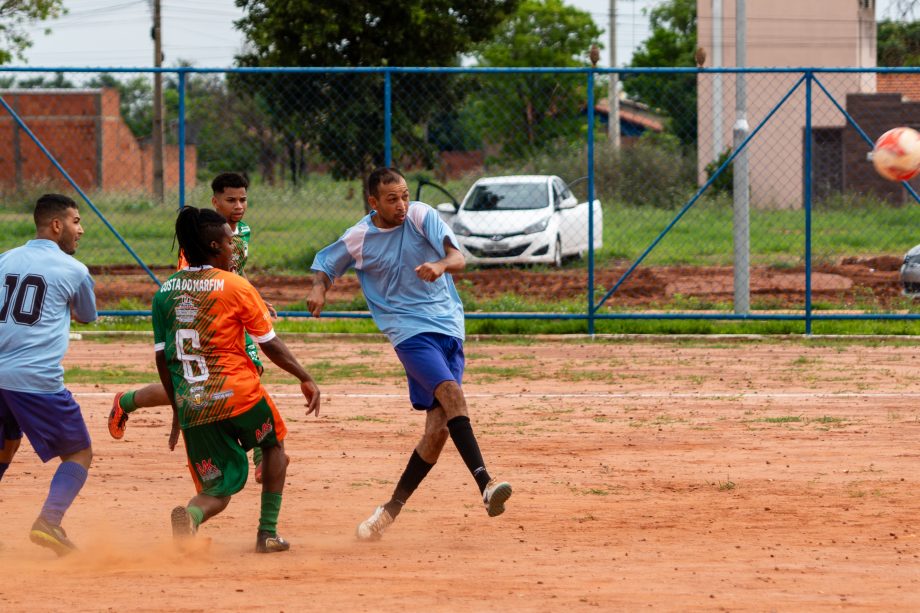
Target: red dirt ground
(848, 282)
(663, 475)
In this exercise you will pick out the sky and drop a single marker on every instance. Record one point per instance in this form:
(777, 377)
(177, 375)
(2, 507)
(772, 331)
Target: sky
(116, 33)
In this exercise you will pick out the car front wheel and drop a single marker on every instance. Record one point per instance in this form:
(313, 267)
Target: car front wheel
(557, 253)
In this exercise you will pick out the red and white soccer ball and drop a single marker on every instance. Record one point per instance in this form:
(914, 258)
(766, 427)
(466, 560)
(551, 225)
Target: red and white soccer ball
(897, 154)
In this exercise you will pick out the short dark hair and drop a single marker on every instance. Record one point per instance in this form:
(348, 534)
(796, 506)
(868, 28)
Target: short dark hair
(228, 179)
(51, 206)
(382, 176)
(195, 230)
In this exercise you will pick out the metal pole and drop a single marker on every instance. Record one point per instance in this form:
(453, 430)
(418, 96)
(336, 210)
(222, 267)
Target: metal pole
(181, 138)
(717, 79)
(808, 195)
(741, 209)
(157, 140)
(591, 310)
(613, 95)
(387, 119)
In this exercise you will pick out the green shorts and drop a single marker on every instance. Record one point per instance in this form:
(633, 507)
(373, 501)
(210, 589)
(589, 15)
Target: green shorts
(217, 451)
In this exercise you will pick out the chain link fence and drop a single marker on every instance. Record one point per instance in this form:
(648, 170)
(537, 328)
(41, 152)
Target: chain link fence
(557, 213)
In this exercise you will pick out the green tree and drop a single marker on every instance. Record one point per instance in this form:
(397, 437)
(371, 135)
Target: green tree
(339, 117)
(15, 17)
(533, 110)
(672, 43)
(898, 43)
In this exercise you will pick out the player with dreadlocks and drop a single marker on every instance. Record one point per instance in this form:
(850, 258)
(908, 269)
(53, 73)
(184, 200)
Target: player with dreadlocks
(219, 404)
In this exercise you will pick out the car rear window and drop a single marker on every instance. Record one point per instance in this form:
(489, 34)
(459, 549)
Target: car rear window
(507, 197)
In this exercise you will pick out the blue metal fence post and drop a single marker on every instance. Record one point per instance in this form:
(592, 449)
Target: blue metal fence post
(181, 138)
(387, 119)
(809, 77)
(591, 201)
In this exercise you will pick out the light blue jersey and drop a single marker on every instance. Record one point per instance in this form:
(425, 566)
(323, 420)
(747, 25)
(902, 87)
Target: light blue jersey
(40, 286)
(401, 304)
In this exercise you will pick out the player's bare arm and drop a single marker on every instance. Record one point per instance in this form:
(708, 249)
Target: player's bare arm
(279, 353)
(166, 380)
(317, 298)
(452, 262)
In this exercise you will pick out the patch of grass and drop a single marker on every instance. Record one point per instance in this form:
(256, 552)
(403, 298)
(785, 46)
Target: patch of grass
(727, 485)
(327, 371)
(781, 420)
(489, 374)
(109, 374)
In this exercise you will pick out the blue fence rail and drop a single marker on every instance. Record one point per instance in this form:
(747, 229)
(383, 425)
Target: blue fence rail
(305, 136)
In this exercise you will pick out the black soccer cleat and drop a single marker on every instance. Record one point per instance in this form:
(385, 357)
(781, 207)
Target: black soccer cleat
(270, 542)
(53, 537)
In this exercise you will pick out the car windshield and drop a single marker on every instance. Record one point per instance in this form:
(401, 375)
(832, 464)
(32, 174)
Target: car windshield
(507, 197)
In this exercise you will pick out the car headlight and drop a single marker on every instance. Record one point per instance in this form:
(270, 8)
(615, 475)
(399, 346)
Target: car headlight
(461, 229)
(537, 227)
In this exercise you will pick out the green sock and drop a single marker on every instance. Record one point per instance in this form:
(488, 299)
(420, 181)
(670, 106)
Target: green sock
(196, 513)
(271, 507)
(256, 456)
(126, 402)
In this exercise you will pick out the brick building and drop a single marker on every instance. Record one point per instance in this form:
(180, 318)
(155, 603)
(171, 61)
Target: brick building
(85, 132)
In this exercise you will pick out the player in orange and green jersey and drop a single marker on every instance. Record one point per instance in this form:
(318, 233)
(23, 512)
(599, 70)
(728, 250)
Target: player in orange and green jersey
(230, 199)
(219, 404)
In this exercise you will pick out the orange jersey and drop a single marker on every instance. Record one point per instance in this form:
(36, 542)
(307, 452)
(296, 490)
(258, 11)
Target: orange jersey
(199, 316)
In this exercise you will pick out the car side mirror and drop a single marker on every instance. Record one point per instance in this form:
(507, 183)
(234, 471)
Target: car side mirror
(568, 203)
(446, 207)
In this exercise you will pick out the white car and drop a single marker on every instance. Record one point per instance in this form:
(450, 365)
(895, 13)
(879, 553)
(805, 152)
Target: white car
(522, 219)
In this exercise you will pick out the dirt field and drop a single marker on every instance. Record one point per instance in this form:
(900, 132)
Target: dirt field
(648, 475)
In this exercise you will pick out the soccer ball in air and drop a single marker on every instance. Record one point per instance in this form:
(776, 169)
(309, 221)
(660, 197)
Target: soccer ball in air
(896, 155)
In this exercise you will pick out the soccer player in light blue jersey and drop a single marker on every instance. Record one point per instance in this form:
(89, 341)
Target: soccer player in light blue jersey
(403, 254)
(42, 286)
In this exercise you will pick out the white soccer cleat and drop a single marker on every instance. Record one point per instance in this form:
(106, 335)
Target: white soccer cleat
(495, 495)
(371, 529)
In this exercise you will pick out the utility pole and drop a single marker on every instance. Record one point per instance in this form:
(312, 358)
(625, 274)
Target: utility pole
(158, 190)
(613, 96)
(740, 188)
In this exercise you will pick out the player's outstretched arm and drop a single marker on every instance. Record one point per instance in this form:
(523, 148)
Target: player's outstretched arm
(317, 298)
(279, 353)
(166, 380)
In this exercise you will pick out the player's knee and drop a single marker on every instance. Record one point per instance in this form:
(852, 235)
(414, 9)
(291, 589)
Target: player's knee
(10, 446)
(84, 457)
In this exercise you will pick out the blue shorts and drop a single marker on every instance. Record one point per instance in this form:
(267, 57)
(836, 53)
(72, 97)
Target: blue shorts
(430, 359)
(52, 422)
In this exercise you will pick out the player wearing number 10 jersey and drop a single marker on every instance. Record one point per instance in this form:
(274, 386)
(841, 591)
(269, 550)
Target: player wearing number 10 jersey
(219, 404)
(41, 286)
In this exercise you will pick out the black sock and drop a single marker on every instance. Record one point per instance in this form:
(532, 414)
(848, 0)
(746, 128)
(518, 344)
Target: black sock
(416, 470)
(461, 432)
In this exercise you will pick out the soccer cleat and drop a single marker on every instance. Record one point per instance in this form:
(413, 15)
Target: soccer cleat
(495, 495)
(53, 537)
(371, 529)
(118, 419)
(269, 542)
(183, 528)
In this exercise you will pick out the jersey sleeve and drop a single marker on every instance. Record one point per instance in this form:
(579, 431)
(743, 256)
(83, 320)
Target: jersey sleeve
(436, 231)
(159, 324)
(84, 301)
(254, 314)
(336, 259)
